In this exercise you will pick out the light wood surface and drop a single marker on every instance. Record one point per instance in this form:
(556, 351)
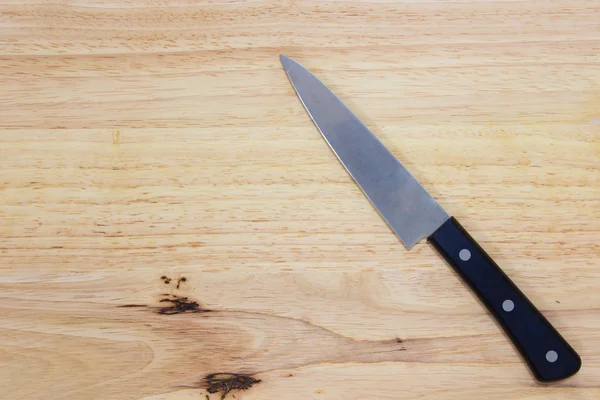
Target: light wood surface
(147, 141)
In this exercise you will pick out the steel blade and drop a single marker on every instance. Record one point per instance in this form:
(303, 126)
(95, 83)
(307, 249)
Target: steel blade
(402, 202)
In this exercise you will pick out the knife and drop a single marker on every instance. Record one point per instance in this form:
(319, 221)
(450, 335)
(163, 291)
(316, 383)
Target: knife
(413, 214)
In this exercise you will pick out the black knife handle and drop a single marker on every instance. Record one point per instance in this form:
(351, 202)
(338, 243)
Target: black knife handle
(548, 355)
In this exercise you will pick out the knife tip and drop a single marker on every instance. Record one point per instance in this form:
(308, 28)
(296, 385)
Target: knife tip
(285, 60)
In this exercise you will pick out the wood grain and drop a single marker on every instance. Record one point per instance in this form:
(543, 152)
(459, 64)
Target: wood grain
(147, 141)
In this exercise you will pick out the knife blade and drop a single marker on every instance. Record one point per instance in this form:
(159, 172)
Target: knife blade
(413, 214)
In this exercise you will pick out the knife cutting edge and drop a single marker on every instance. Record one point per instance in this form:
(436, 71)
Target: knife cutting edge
(413, 215)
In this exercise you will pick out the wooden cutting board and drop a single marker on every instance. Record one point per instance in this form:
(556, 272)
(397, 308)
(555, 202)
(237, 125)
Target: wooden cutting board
(174, 227)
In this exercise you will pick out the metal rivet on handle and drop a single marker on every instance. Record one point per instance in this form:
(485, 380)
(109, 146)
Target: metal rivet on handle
(551, 356)
(508, 305)
(464, 254)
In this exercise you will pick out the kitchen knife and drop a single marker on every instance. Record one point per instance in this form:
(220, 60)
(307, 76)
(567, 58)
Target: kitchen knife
(413, 215)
